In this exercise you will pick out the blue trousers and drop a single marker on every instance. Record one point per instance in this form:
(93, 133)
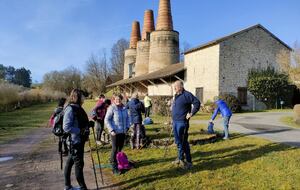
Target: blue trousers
(226, 120)
(180, 129)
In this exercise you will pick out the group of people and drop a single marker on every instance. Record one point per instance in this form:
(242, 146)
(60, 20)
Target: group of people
(118, 117)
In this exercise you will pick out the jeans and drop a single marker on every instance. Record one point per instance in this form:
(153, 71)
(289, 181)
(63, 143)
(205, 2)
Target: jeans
(117, 143)
(99, 125)
(75, 157)
(226, 120)
(180, 129)
(137, 135)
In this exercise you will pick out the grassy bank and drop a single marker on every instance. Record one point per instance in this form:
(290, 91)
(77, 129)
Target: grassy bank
(20, 121)
(289, 121)
(240, 163)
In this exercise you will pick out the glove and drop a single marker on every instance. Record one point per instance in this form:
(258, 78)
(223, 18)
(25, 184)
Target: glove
(91, 123)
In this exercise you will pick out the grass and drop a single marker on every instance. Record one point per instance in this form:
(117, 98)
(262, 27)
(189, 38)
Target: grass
(16, 123)
(240, 163)
(289, 121)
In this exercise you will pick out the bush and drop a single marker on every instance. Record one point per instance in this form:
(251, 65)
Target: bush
(232, 102)
(269, 86)
(297, 113)
(161, 105)
(14, 97)
(208, 106)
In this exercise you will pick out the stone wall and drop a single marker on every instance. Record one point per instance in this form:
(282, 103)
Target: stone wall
(202, 70)
(160, 90)
(130, 58)
(253, 49)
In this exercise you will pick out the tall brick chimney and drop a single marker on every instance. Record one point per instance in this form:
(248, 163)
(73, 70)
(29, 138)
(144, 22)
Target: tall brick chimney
(164, 19)
(135, 35)
(148, 24)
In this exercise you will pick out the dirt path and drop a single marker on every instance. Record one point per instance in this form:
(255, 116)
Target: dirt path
(36, 165)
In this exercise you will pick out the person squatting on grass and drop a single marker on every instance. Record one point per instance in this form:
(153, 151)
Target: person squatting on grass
(225, 112)
(98, 115)
(117, 123)
(181, 113)
(136, 108)
(75, 123)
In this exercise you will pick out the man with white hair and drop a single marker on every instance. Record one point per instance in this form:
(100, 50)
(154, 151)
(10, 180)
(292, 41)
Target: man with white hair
(182, 111)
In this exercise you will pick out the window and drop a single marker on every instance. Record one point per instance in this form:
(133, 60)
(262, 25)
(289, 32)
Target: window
(242, 95)
(199, 94)
(131, 70)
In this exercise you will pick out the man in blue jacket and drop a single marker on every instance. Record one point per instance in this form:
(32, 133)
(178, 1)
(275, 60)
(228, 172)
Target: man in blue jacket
(226, 114)
(136, 108)
(182, 111)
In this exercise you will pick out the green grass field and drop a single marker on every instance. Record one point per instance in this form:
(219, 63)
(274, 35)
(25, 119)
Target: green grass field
(21, 121)
(240, 163)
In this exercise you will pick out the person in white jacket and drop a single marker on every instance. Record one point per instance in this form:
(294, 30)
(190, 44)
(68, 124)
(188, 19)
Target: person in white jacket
(117, 123)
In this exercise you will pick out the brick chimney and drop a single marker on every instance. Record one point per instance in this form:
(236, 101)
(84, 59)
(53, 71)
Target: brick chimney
(135, 35)
(148, 24)
(164, 19)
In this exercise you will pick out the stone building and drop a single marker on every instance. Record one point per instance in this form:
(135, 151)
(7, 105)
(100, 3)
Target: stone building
(216, 67)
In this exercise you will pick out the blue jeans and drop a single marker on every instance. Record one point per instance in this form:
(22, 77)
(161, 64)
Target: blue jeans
(226, 120)
(180, 129)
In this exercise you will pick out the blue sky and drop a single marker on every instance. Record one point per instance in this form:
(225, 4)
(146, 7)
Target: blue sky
(46, 35)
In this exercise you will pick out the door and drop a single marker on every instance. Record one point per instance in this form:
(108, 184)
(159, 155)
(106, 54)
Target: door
(199, 94)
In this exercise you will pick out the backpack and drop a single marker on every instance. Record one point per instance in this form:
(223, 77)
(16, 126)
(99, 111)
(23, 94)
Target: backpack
(123, 163)
(210, 128)
(57, 129)
(148, 121)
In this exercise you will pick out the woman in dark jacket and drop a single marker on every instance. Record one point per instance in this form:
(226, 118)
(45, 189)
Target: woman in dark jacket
(136, 108)
(76, 124)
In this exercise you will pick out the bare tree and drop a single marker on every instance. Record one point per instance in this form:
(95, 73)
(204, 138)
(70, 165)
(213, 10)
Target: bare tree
(117, 56)
(290, 63)
(63, 81)
(97, 71)
(184, 47)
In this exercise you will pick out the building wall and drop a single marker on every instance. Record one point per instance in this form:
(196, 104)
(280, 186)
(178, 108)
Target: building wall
(160, 90)
(253, 49)
(142, 58)
(202, 70)
(130, 58)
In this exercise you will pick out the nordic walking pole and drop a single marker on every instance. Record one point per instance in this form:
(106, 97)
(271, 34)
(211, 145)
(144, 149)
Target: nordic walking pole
(93, 165)
(61, 154)
(98, 157)
(167, 142)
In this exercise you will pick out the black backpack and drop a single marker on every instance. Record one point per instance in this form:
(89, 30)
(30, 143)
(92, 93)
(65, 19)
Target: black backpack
(57, 129)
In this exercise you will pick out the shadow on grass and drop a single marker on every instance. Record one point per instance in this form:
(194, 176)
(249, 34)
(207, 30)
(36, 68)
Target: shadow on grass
(221, 159)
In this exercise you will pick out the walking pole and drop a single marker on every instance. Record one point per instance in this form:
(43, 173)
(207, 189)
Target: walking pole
(169, 139)
(61, 154)
(93, 165)
(98, 157)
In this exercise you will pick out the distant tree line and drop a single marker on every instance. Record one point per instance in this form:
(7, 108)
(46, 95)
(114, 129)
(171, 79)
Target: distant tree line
(93, 79)
(19, 76)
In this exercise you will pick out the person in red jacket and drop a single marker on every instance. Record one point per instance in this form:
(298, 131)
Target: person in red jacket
(98, 115)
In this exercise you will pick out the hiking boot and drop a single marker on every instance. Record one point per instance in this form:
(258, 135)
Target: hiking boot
(188, 166)
(65, 153)
(179, 163)
(98, 143)
(116, 171)
(68, 188)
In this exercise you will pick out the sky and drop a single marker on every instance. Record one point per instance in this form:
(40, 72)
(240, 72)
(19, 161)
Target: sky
(47, 35)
